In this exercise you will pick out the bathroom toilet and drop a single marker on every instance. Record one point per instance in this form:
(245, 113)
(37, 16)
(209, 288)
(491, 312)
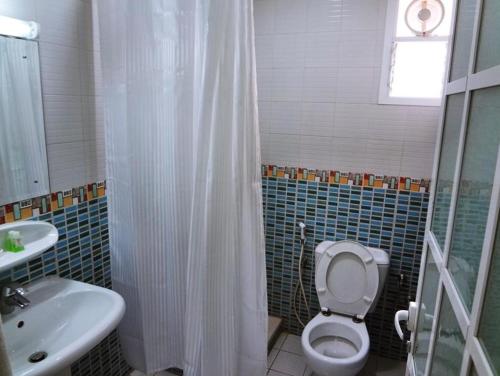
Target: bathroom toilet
(349, 279)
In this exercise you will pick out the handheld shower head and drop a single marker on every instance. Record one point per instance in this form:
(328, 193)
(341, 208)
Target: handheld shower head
(302, 231)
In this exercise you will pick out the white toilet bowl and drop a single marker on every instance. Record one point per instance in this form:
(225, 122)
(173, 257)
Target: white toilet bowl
(348, 279)
(335, 345)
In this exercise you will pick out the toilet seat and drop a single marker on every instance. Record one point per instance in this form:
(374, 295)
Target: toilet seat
(347, 282)
(335, 344)
(347, 279)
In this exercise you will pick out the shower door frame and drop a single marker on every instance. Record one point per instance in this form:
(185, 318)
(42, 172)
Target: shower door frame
(468, 323)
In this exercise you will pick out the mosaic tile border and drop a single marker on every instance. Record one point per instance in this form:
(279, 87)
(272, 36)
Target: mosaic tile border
(379, 211)
(400, 183)
(36, 206)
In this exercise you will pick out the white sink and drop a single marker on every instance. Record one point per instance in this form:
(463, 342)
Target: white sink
(65, 319)
(37, 236)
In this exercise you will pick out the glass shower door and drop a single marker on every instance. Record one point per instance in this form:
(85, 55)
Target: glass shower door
(455, 329)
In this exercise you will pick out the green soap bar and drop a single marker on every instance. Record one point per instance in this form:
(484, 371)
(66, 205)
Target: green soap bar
(10, 246)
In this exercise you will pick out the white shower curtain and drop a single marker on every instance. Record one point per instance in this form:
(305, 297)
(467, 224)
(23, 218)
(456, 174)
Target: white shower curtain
(184, 184)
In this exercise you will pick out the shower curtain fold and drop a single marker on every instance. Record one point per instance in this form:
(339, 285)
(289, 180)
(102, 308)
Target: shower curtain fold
(226, 289)
(183, 164)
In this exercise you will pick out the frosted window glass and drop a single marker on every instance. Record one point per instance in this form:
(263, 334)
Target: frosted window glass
(463, 39)
(426, 314)
(447, 357)
(418, 70)
(489, 43)
(447, 164)
(489, 330)
(476, 181)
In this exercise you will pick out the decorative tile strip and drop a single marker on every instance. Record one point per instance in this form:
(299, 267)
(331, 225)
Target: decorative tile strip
(348, 178)
(45, 204)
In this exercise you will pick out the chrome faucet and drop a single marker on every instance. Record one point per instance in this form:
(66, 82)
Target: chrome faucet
(12, 296)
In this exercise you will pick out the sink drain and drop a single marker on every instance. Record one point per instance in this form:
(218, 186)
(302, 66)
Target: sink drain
(37, 357)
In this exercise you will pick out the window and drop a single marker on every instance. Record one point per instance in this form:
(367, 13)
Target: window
(415, 52)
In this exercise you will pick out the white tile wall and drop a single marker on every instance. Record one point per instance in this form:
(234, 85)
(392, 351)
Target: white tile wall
(318, 67)
(71, 88)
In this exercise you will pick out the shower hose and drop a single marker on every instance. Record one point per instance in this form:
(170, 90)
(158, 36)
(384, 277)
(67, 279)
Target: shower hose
(300, 284)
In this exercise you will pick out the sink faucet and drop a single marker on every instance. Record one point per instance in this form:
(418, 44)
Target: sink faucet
(12, 296)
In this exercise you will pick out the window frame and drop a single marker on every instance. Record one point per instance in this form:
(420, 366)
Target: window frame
(391, 21)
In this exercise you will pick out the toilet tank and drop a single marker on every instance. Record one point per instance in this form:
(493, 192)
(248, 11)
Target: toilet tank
(381, 258)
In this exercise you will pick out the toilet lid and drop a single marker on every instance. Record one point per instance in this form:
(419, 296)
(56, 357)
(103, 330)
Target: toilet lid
(347, 279)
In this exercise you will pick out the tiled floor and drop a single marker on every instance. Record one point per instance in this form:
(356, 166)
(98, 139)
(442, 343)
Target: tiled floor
(286, 359)
(162, 373)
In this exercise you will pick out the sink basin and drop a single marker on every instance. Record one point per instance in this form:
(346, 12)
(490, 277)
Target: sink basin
(37, 237)
(65, 320)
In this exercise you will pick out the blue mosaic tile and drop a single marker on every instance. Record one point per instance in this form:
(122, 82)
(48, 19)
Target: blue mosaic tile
(81, 253)
(385, 218)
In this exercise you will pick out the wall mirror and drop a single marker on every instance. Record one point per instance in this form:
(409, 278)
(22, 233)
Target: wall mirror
(23, 155)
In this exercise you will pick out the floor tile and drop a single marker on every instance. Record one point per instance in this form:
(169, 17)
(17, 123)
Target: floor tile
(370, 367)
(308, 372)
(390, 367)
(161, 373)
(280, 341)
(378, 366)
(271, 357)
(292, 344)
(275, 373)
(291, 364)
